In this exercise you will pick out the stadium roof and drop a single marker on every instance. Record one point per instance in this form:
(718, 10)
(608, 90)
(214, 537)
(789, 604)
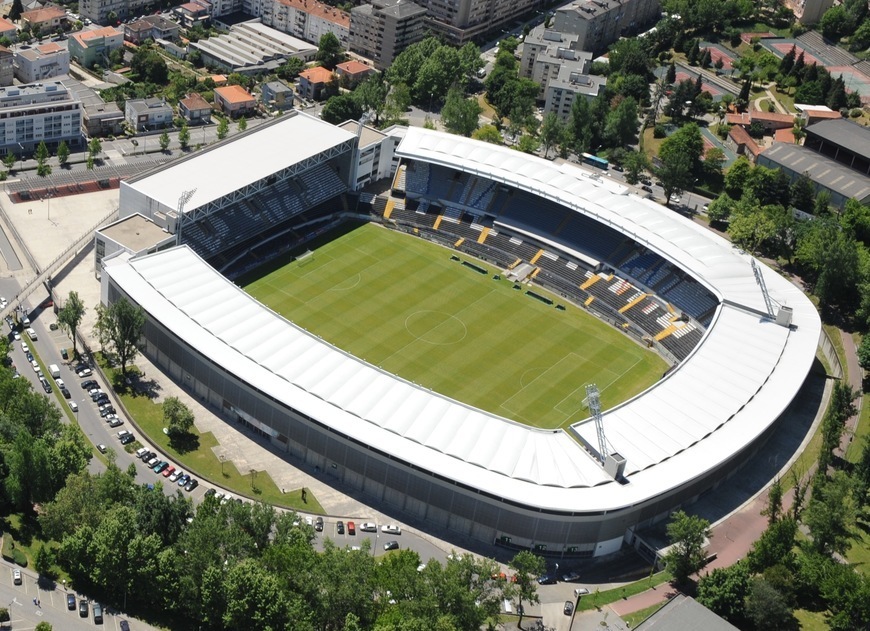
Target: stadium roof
(223, 169)
(737, 382)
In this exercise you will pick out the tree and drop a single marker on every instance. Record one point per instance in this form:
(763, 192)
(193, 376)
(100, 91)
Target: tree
(528, 144)
(329, 52)
(62, 153)
(43, 626)
(291, 68)
(720, 209)
(223, 128)
(635, 162)
(164, 141)
(70, 316)
(460, 115)
(737, 178)
(184, 137)
(527, 567)
(16, 10)
(177, 417)
(90, 162)
(95, 147)
(372, 94)
(724, 591)
(766, 607)
(242, 124)
(622, 123)
(802, 193)
(42, 562)
(687, 535)
(836, 23)
(552, 131)
(775, 546)
(831, 263)
(831, 515)
(119, 327)
(149, 66)
(671, 75)
(488, 133)
(9, 159)
(41, 152)
(341, 108)
(864, 352)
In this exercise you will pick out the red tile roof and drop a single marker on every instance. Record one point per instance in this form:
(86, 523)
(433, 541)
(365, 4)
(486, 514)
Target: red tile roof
(219, 79)
(82, 37)
(355, 67)
(234, 94)
(320, 10)
(772, 117)
(738, 119)
(742, 137)
(50, 47)
(318, 74)
(45, 14)
(6, 25)
(783, 135)
(194, 101)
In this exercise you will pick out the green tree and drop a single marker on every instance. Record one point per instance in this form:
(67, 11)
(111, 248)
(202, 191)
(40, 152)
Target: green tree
(62, 153)
(70, 316)
(41, 153)
(341, 108)
(119, 327)
(528, 144)
(527, 568)
(724, 592)
(149, 66)
(435, 77)
(223, 128)
(9, 159)
(635, 162)
(488, 133)
(720, 209)
(329, 52)
(43, 561)
(90, 162)
(177, 417)
(737, 178)
(767, 608)
(830, 262)
(164, 141)
(680, 156)
(552, 131)
(291, 68)
(802, 193)
(622, 123)
(687, 535)
(184, 137)
(43, 170)
(836, 23)
(95, 147)
(864, 352)
(242, 124)
(372, 94)
(43, 626)
(16, 10)
(460, 115)
(775, 546)
(831, 515)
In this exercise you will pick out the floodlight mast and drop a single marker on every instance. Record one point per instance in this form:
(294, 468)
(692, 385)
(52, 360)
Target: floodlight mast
(182, 202)
(593, 402)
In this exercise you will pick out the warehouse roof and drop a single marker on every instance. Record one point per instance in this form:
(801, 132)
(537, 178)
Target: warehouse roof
(845, 133)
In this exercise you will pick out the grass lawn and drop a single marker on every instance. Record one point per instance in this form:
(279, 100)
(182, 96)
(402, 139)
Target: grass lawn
(197, 455)
(25, 536)
(811, 620)
(635, 618)
(401, 303)
(599, 599)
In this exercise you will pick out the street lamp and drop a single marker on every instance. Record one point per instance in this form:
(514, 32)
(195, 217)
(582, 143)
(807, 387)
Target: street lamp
(222, 458)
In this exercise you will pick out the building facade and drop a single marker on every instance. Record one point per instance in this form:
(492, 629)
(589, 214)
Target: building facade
(8, 30)
(87, 48)
(313, 82)
(151, 27)
(45, 20)
(7, 66)
(460, 21)
(30, 114)
(195, 109)
(276, 95)
(308, 20)
(147, 114)
(599, 23)
(383, 29)
(38, 63)
(234, 101)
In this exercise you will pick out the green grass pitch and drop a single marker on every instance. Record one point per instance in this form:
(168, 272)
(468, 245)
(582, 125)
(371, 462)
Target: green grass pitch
(401, 303)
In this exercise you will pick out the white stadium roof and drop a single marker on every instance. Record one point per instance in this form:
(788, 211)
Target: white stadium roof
(740, 378)
(230, 166)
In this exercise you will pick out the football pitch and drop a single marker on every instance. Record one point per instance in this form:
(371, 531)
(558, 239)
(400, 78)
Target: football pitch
(401, 303)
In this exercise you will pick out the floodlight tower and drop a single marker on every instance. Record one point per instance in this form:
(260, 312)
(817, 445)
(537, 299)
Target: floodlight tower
(182, 202)
(593, 402)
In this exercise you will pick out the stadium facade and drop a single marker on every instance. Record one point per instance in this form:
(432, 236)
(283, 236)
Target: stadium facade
(432, 458)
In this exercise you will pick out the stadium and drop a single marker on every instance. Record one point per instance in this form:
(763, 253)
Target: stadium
(739, 339)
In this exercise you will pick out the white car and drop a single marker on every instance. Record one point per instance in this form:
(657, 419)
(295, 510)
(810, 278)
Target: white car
(32, 334)
(16, 576)
(25, 347)
(84, 372)
(391, 529)
(59, 382)
(174, 477)
(368, 526)
(35, 366)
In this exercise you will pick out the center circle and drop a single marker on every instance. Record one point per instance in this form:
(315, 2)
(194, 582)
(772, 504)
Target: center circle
(436, 327)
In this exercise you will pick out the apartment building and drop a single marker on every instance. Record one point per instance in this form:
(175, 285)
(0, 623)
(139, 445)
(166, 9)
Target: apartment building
(30, 114)
(308, 20)
(460, 21)
(383, 29)
(151, 27)
(7, 65)
(87, 48)
(599, 23)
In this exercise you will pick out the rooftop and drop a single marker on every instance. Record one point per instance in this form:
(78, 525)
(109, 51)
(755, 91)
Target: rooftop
(369, 135)
(234, 94)
(354, 67)
(281, 143)
(195, 101)
(318, 74)
(742, 137)
(682, 613)
(830, 174)
(398, 8)
(136, 233)
(49, 47)
(143, 105)
(772, 117)
(6, 25)
(44, 14)
(845, 133)
(320, 10)
(83, 37)
(151, 21)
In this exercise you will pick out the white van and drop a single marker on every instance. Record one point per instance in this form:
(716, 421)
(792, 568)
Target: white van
(54, 370)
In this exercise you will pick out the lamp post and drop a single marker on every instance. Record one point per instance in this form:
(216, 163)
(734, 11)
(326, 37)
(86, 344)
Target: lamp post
(182, 201)
(222, 458)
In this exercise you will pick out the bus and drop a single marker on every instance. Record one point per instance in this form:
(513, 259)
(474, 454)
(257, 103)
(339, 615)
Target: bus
(594, 161)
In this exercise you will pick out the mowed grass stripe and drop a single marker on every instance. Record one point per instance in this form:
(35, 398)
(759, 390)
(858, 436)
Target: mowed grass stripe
(399, 302)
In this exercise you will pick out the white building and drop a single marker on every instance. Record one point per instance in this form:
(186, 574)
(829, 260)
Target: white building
(306, 19)
(376, 152)
(38, 63)
(30, 114)
(599, 23)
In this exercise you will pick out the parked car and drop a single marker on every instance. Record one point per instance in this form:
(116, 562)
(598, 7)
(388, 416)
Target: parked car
(646, 188)
(45, 385)
(183, 480)
(105, 410)
(127, 439)
(161, 467)
(83, 608)
(168, 471)
(66, 394)
(71, 602)
(102, 448)
(351, 528)
(568, 609)
(210, 492)
(16, 576)
(391, 529)
(173, 477)
(391, 545)
(85, 372)
(116, 422)
(124, 625)
(191, 485)
(98, 613)
(64, 354)
(339, 527)
(89, 385)
(571, 577)
(368, 526)
(318, 524)
(547, 579)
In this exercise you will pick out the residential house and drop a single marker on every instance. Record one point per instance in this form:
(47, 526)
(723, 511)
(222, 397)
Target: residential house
(313, 82)
(308, 20)
(195, 109)
(276, 95)
(7, 66)
(234, 100)
(742, 143)
(383, 29)
(810, 114)
(151, 27)
(37, 63)
(45, 20)
(352, 73)
(147, 114)
(8, 30)
(87, 48)
(193, 13)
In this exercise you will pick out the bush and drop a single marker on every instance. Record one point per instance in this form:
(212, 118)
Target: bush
(19, 557)
(659, 131)
(856, 113)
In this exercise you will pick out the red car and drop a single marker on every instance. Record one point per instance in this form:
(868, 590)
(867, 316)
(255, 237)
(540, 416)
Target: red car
(168, 472)
(351, 528)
